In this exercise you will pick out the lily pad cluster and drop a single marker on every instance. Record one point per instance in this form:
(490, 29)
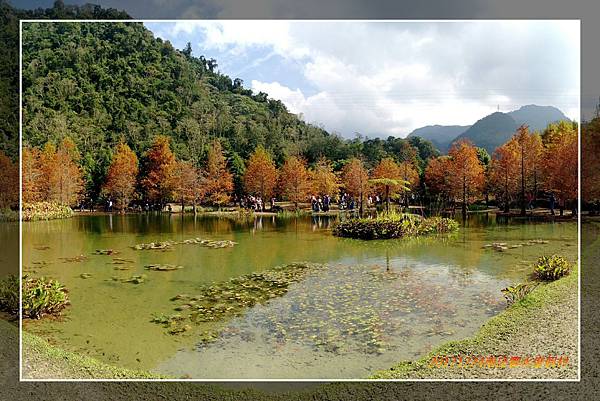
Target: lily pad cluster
(165, 267)
(161, 245)
(167, 245)
(233, 297)
(349, 309)
(134, 279)
(74, 259)
(105, 252)
(503, 246)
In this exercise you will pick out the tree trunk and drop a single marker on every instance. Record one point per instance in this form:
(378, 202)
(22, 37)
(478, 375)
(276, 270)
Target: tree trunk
(360, 204)
(464, 202)
(387, 198)
(506, 198)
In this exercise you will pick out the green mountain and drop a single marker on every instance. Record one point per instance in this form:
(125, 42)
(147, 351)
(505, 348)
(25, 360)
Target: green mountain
(537, 117)
(9, 58)
(491, 131)
(102, 83)
(441, 136)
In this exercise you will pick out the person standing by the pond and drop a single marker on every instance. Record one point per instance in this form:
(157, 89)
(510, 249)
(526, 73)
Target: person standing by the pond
(326, 203)
(552, 202)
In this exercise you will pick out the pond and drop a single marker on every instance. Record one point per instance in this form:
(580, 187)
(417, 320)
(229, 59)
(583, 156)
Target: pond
(359, 306)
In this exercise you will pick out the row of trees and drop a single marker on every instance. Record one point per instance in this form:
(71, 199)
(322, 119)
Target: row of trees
(516, 172)
(53, 174)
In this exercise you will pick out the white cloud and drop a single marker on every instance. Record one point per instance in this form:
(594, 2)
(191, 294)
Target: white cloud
(386, 78)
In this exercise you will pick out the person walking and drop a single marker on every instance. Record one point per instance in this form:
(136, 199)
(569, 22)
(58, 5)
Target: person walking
(552, 202)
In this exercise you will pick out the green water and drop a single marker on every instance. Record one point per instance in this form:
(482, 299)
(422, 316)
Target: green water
(415, 293)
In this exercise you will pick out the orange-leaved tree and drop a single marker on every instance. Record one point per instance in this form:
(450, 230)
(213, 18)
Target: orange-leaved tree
(560, 161)
(528, 149)
(260, 177)
(355, 179)
(187, 188)
(294, 181)
(62, 180)
(217, 180)
(466, 173)
(386, 179)
(436, 176)
(323, 178)
(504, 173)
(159, 166)
(121, 176)
(9, 182)
(32, 174)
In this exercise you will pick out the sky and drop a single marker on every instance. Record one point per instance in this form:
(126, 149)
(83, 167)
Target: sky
(389, 78)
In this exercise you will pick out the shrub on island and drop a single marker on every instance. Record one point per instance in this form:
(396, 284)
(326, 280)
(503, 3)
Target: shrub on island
(45, 211)
(394, 226)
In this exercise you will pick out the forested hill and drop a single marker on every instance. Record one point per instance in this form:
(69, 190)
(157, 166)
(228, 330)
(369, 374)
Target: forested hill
(101, 83)
(104, 82)
(9, 58)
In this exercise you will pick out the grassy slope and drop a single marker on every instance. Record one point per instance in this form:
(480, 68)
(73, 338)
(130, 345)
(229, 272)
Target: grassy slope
(543, 323)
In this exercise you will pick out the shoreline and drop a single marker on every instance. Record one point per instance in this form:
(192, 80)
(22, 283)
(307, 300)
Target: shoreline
(544, 323)
(532, 326)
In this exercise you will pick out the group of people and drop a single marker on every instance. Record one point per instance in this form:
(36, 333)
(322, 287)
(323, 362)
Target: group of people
(319, 204)
(346, 202)
(254, 203)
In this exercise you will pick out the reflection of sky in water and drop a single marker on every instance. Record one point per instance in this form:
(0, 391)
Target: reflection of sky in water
(441, 288)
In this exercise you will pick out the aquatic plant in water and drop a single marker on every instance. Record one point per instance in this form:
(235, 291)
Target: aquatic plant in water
(232, 297)
(43, 296)
(134, 279)
(550, 268)
(105, 252)
(503, 246)
(165, 267)
(348, 308)
(167, 245)
(45, 211)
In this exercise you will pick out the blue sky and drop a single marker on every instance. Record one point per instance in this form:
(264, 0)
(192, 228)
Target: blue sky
(388, 78)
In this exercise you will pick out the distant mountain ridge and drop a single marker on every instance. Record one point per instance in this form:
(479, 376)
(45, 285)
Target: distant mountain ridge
(493, 130)
(440, 135)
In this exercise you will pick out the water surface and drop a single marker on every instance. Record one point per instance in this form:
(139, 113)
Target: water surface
(371, 305)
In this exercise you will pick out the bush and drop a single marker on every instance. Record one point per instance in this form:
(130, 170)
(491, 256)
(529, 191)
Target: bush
(42, 296)
(394, 226)
(550, 268)
(9, 294)
(45, 211)
(517, 292)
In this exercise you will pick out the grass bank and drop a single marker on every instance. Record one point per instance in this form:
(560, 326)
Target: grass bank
(544, 323)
